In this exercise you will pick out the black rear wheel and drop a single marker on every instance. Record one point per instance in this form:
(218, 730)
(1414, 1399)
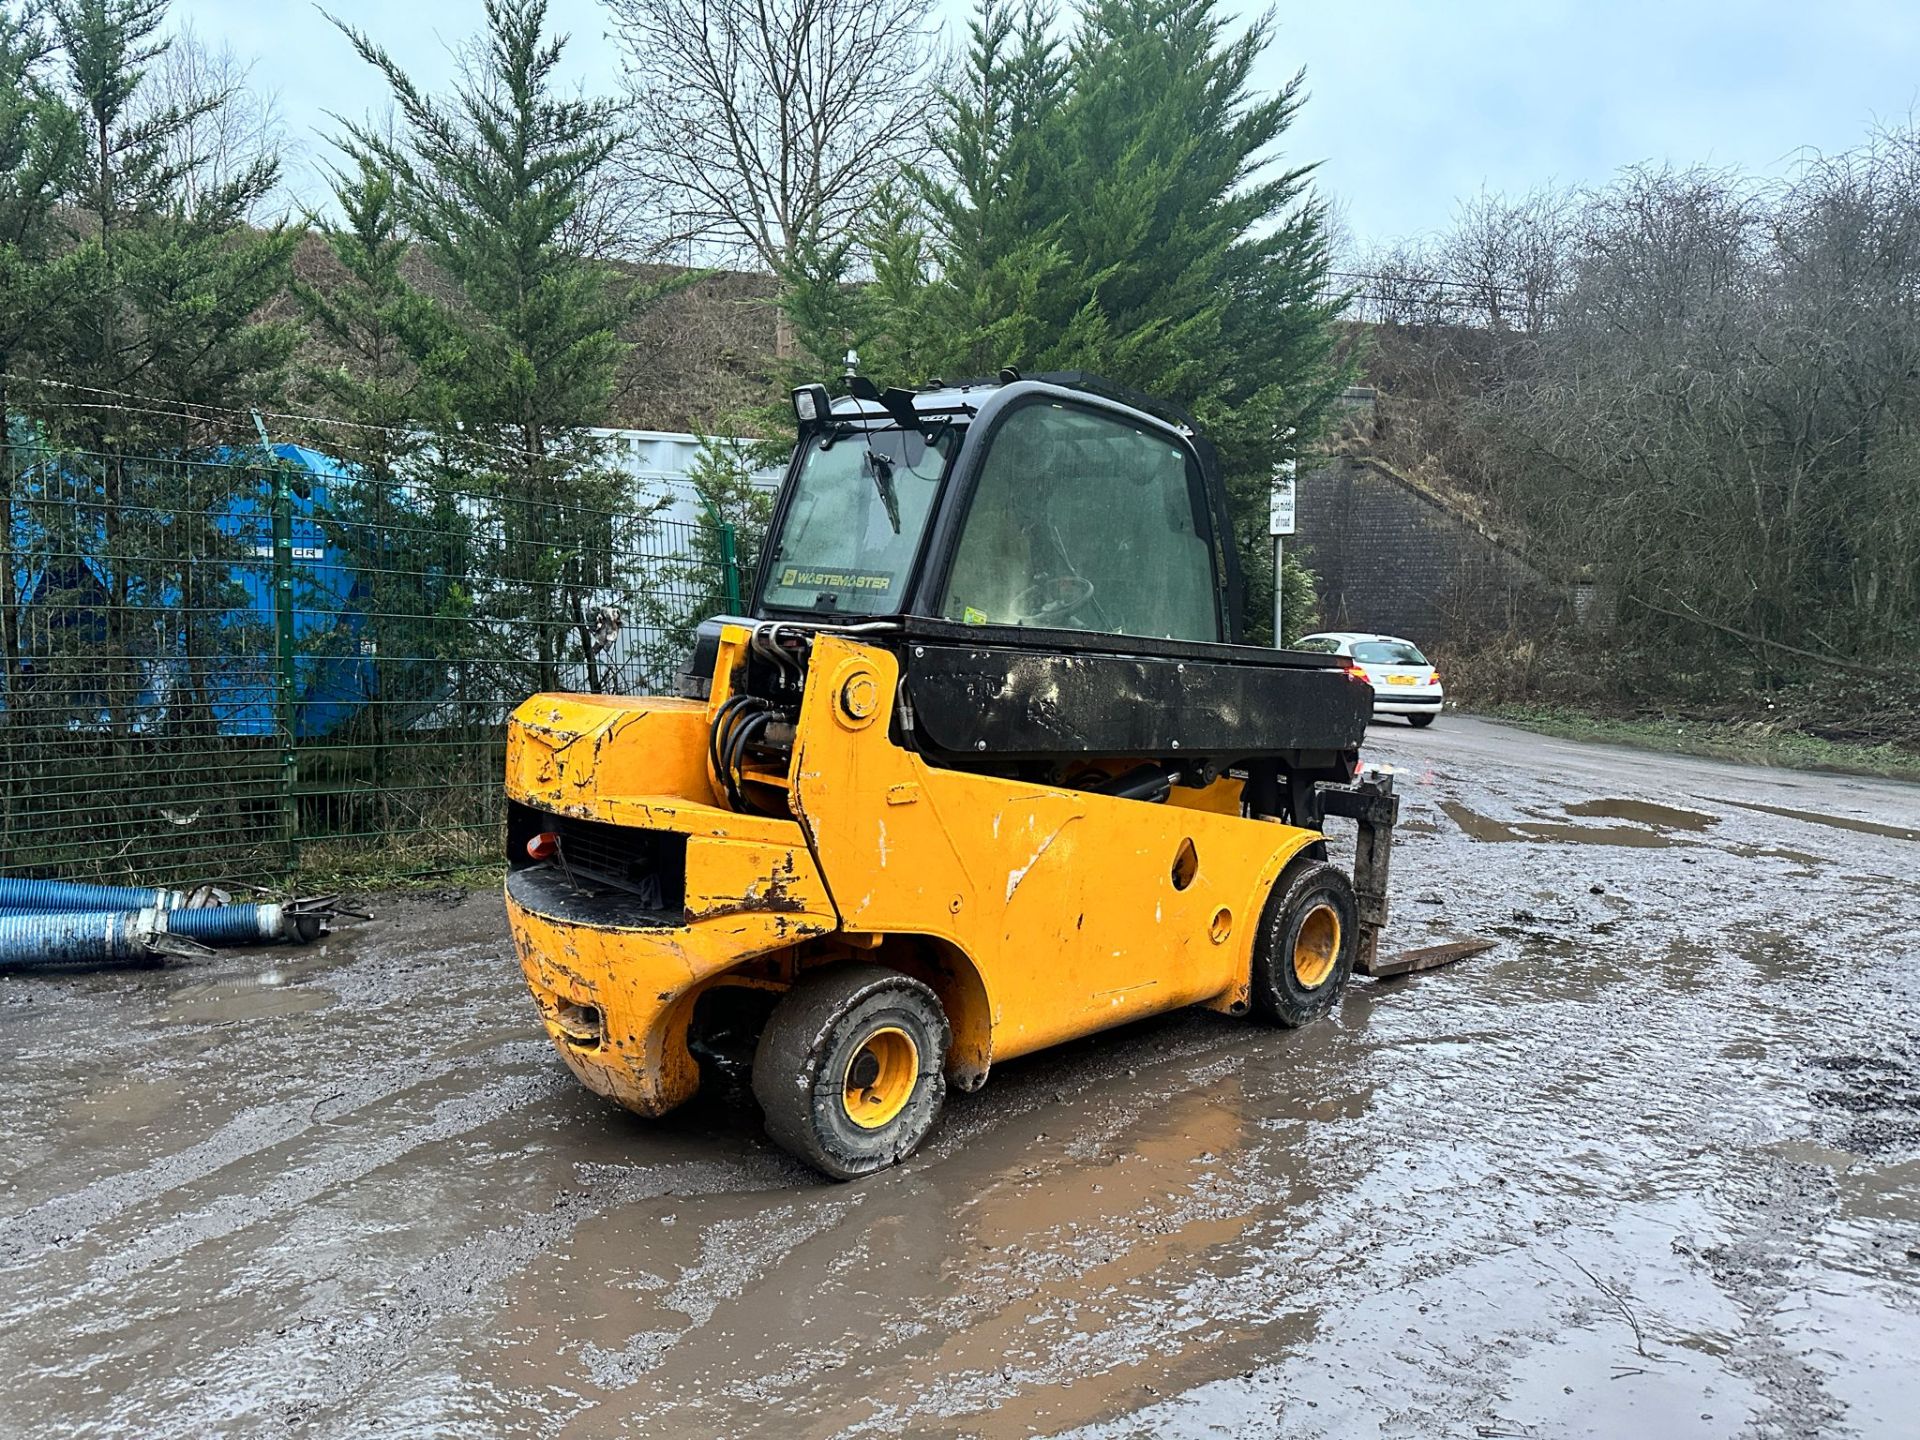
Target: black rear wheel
(851, 1068)
(1419, 722)
(1304, 952)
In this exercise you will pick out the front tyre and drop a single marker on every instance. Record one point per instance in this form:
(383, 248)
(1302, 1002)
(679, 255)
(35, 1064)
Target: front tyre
(1304, 952)
(851, 1068)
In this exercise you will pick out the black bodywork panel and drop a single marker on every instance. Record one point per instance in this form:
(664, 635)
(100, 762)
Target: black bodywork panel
(547, 890)
(1001, 693)
(1029, 703)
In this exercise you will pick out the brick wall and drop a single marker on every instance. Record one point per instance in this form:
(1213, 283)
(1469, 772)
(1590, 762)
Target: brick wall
(1392, 557)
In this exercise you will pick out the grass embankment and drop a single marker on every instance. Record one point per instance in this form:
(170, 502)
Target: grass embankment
(1756, 742)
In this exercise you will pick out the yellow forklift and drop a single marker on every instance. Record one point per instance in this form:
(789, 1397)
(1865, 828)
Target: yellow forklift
(986, 767)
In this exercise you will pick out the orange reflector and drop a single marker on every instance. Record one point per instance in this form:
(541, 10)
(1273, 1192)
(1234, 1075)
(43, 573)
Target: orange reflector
(543, 846)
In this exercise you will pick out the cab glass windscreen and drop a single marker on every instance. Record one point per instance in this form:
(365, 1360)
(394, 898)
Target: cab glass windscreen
(853, 526)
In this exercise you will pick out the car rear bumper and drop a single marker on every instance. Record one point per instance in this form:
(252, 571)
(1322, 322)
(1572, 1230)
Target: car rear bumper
(1405, 702)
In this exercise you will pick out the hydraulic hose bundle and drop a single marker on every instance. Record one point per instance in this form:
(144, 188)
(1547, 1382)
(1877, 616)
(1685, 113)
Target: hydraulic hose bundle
(57, 922)
(742, 722)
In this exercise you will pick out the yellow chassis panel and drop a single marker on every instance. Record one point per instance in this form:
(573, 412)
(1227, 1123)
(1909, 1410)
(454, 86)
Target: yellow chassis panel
(1065, 902)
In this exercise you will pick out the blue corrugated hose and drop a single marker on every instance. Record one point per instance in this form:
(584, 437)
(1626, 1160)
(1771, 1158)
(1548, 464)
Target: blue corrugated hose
(44, 938)
(233, 925)
(68, 897)
(80, 938)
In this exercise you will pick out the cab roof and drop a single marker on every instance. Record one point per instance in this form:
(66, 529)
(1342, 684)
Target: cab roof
(943, 400)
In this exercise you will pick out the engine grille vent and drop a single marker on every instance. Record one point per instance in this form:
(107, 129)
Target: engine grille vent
(650, 865)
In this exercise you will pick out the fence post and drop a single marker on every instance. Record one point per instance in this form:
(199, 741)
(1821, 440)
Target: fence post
(730, 563)
(729, 558)
(285, 690)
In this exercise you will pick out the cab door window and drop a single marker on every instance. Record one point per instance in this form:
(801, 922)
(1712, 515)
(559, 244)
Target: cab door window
(1080, 521)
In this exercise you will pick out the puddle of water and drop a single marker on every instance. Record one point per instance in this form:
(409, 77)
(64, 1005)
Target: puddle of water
(1477, 826)
(247, 997)
(1624, 836)
(1484, 828)
(1767, 852)
(129, 1104)
(1838, 822)
(1642, 812)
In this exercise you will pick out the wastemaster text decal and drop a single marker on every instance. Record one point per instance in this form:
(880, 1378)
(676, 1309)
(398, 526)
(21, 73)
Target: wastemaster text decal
(799, 577)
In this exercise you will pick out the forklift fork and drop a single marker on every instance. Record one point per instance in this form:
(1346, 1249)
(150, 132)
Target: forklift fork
(1372, 805)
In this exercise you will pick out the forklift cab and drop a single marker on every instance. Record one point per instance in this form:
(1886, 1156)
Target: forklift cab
(1051, 561)
(1026, 504)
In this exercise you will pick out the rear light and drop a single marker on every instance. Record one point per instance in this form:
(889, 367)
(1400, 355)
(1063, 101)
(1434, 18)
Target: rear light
(1354, 672)
(1433, 677)
(543, 846)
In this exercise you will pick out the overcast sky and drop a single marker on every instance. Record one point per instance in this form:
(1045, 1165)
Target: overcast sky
(1412, 105)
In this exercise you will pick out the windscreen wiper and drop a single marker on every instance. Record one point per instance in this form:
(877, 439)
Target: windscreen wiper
(882, 469)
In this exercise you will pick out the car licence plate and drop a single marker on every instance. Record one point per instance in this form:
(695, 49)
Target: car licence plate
(1401, 680)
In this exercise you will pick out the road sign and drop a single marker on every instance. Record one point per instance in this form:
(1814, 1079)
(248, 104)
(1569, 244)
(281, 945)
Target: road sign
(1280, 500)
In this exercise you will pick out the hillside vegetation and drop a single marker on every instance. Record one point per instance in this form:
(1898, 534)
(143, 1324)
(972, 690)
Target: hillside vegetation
(1700, 394)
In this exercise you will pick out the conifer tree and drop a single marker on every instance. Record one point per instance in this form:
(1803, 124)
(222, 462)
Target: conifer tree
(374, 364)
(39, 150)
(1007, 291)
(489, 181)
(1116, 209)
(167, 327)
(180, 277)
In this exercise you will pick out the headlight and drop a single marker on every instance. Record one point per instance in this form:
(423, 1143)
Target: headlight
(811, 405)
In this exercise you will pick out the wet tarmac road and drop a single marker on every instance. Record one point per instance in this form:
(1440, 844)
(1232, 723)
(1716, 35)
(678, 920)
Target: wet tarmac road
(1652, 1167)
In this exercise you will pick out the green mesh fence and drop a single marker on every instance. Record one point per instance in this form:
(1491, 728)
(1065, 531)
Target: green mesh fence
(249, 664)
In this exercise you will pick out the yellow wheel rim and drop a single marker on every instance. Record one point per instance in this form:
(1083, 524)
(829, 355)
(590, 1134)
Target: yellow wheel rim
(1316, 945)
(880, 1078)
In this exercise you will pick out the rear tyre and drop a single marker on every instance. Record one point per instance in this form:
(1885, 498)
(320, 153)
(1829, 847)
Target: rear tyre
(1304, 952)
(1419, 722)
(851, 1069)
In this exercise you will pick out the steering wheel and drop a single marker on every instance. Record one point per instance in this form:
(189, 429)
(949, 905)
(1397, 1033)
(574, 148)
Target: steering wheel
(1054, 598)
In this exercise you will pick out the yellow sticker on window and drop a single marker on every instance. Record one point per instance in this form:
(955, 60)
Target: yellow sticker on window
(973, 616)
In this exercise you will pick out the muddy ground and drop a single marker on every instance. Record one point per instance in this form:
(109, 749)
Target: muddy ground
(1650, 1168)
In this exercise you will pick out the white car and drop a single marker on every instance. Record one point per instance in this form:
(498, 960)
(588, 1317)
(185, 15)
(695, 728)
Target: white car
(1404, 682)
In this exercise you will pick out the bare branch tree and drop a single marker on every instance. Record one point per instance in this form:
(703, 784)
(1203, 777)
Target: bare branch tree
(1399, 283)
(1510, 258)
(232, 131)
(764, 127)
(1723, 416)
